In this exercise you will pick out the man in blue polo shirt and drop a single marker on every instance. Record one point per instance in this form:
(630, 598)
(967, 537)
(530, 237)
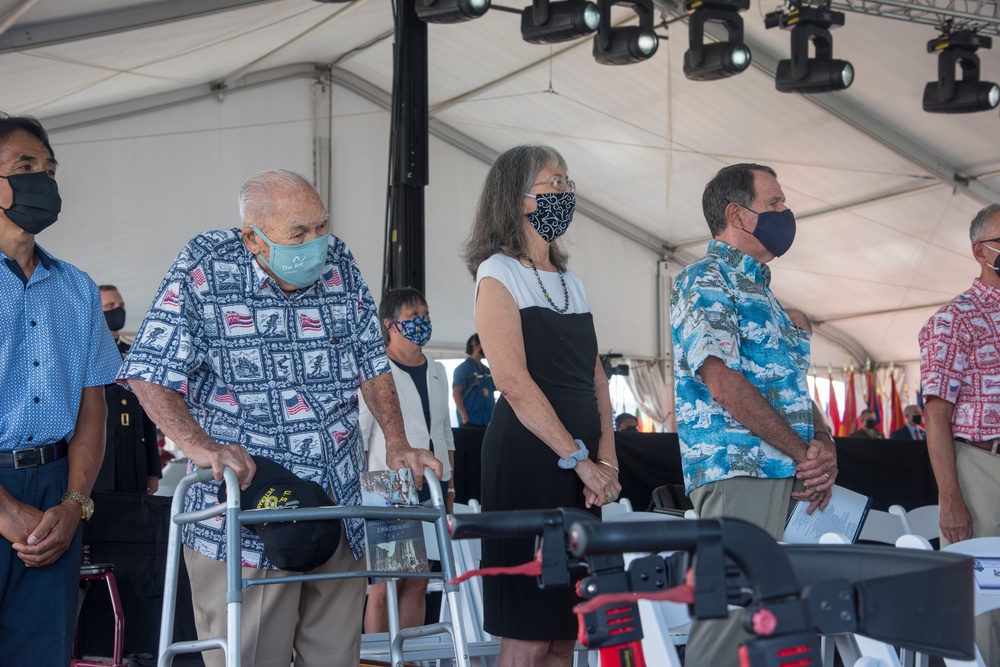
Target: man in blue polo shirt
(472, 387)
(751, 440)
(56, 355)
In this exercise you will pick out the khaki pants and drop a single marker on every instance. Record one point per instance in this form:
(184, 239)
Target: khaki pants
(763, 502)
(979, 479)
(317, 622)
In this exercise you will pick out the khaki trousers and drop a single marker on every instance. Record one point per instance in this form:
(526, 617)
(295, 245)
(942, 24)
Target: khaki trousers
(318, 623)
(763, 502)
(979, 479)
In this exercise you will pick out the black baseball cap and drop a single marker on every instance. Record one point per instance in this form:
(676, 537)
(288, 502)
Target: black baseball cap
(298, 546)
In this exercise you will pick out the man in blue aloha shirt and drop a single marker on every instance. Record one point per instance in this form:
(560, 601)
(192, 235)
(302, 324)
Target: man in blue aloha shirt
(257, 343)
(746, 424)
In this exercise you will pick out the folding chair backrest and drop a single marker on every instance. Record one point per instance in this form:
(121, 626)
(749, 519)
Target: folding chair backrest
(923, 521)
(621, 506)
(883, 527)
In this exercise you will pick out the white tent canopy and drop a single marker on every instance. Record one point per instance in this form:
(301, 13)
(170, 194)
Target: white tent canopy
(159, 110)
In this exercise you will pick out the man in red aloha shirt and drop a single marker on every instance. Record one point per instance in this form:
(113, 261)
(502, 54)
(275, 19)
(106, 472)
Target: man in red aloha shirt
(960, 374)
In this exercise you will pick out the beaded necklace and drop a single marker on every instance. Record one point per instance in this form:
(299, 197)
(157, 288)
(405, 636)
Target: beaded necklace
(562, 280)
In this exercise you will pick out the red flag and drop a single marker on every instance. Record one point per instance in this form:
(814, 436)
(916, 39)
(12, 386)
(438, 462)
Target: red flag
(849, 423)
(832, 409)
(898, 420)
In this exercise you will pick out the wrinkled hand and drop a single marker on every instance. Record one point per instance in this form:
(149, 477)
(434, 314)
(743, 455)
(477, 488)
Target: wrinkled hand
(415, 460)
(955, 520)
(52, 536)
(818, 474)
(218, 456)
(18, 520)
(600, 483)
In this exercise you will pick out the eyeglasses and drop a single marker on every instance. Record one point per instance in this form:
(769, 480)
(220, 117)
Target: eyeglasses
(559, 183)
(989, 241)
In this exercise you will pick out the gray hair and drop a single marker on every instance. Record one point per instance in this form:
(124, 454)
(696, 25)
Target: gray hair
(259, 192)
(499, 222)
(978, 222)
(730, 184)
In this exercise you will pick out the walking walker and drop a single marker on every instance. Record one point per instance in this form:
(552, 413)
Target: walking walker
(235, 518)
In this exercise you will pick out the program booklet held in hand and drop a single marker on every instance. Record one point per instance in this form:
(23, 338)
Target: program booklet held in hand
(393, 545)
(845, 514)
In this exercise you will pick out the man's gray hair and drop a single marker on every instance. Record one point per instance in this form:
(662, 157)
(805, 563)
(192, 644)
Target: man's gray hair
(731, 184)
(498, 225)
(258, 192)
(978, 222)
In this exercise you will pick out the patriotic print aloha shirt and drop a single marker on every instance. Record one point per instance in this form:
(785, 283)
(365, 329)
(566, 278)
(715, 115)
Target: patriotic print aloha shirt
(960, 361)
(722, 306)
(278, 375)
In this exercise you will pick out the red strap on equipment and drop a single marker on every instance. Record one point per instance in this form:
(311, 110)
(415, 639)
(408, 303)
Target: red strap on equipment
(532, 568)
(683, 593)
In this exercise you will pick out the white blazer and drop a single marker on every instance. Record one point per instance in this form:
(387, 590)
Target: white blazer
(413, 418)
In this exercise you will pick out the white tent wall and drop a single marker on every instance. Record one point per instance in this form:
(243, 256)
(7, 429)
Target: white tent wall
(137, 189)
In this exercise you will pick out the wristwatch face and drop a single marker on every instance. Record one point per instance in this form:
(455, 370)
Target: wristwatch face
(88, 509)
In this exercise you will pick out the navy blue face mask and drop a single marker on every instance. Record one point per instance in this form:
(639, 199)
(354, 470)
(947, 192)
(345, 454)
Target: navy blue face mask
(775, 230)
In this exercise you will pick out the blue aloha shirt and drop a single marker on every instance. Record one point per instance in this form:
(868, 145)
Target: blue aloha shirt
(278, 375)
(722, 306)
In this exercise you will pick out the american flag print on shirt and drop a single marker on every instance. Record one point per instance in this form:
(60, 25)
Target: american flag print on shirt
(275, 373)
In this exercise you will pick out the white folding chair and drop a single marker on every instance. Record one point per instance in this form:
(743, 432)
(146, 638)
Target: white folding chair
(923, 521)
(620, 506)
(985, 602)
(664, 624)
(883, 527)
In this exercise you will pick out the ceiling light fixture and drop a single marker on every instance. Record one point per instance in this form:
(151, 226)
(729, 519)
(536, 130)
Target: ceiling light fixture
(451, 11)
(548, 22)
(625, 45)
(802, 74)
(708, 62)
(946, 95)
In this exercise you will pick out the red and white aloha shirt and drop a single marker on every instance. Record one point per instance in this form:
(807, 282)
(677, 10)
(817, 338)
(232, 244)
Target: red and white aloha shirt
(960, 360)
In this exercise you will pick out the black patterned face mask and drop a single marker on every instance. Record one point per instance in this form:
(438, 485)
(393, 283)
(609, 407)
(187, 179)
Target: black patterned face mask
(552, 214)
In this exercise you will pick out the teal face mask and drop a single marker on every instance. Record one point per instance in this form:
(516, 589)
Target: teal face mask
(298, 265)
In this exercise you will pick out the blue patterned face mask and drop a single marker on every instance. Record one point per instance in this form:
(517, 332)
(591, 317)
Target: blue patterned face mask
(298, 265)
(553, 213)
(417, 330)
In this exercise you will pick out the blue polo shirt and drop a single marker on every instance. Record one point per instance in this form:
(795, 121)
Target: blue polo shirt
(722, 306)
(54, 342)
(477, 391)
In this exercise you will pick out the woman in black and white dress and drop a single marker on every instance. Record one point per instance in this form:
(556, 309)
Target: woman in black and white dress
(551, 441)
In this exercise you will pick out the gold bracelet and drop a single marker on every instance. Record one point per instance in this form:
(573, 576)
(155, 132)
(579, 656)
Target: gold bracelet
(609, 464)
(827, 434)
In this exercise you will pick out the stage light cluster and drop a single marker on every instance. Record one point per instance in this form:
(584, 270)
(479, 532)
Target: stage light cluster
(552, 21)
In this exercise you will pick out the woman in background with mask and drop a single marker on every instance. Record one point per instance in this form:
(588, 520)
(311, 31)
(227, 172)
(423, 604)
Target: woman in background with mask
(423, 388)
(551, 441)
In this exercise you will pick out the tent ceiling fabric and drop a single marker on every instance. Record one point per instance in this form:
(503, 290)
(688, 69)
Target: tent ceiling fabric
(884, 191)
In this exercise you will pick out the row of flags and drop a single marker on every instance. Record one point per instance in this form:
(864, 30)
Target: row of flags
(846, 422)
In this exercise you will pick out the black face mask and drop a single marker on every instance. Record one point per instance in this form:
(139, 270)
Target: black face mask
(869, 423)
(115, 318)
(36, 202)
(917, 419)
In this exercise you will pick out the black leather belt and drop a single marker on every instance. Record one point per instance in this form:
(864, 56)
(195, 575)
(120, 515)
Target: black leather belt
(36, 456)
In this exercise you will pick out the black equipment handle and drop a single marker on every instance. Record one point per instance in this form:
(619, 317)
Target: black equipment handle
(523, 523)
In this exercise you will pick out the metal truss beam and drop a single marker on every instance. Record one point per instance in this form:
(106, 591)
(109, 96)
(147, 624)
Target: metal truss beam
(981, 14)
(39, 35)
(863, 121)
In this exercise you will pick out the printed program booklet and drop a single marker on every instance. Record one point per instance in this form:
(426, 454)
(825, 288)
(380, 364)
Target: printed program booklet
(845, 514)
(393, 545)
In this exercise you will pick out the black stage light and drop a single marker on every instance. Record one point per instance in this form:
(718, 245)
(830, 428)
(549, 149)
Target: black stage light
(708, 62)
(946, 95)
(626, 45)
(451, 11)
(546, 22)
(802, 74)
